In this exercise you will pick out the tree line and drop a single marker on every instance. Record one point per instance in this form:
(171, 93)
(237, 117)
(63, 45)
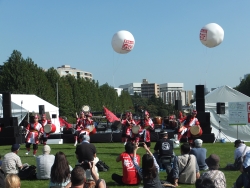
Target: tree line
(22, 76)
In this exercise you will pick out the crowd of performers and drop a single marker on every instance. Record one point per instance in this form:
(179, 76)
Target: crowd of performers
(133, 130)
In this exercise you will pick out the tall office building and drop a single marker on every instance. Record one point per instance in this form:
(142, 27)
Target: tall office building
(149, 89)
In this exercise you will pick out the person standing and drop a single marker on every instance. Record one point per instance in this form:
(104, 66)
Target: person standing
(11, 163)
(79, 126)
(126, 127)
(44, 122)
(147, 126)
(188, 122)
(200, 154)
(130, 176)
(89, 124)
(164, 148)
(34, 132)
(44, 163)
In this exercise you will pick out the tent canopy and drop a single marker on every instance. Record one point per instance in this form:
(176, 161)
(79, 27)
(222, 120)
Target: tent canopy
(22, 104)
(226, 94)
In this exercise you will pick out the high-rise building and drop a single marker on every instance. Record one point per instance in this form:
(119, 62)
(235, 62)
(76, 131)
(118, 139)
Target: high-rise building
(132, 88)
(66, 70)
(170, 92)
(149, 89)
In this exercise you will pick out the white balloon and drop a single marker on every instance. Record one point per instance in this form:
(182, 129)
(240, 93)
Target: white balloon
(123, 42)
(211, 35)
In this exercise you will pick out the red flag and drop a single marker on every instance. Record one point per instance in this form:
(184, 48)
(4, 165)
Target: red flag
(63, 122)
(110, 116)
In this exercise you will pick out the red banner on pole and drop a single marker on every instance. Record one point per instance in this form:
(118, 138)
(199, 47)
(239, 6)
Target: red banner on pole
(63, 122)
(110, 116)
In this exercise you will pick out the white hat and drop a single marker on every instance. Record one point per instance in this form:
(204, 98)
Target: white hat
(198, 142)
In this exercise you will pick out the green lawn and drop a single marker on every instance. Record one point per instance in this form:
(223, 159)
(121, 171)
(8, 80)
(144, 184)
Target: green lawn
(108, 152)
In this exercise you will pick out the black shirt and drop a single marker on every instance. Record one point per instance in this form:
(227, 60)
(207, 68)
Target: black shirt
(85, 151)
(165, 147)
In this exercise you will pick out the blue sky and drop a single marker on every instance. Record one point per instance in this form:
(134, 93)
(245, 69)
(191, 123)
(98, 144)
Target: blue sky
(167, 46)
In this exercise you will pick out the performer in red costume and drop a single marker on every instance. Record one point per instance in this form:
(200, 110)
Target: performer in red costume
(188, 122)
(79, 126)
(89, 124)
(34, 132)
(126, 127)
(44, 122)
(147, 126)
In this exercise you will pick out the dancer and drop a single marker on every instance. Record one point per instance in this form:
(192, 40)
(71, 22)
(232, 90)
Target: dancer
(126, 127)
(44, 122)
(89, 123)
(79, 126)
(147, 125)
(34, 132)
(188, 122)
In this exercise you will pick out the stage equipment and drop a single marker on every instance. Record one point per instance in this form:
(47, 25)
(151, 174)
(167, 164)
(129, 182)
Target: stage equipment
(220, 107)
(178, 105)
(218, 137)
(6, 103)
(41, 109)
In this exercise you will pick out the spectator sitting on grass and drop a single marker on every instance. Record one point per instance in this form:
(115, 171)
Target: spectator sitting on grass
(44, 163)
(244, 177)
(129, 176)
(12, 181)
(60, 171)
(11, 163)
(78, 178)
(204, 183)
(213, 173)
(200, 154)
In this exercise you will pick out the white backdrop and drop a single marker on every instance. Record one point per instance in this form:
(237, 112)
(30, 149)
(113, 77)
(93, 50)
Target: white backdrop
(226, 94)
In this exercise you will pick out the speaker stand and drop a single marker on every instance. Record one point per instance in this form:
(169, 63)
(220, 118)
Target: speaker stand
(218, 137)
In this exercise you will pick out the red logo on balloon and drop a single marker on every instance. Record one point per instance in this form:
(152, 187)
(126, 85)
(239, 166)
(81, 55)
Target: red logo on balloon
(128, 45)
(203, 34)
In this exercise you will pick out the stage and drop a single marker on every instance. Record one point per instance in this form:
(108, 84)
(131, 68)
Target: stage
(108, 136)
(12, 135)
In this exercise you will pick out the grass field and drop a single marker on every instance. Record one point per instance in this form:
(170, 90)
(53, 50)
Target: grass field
(108, 152)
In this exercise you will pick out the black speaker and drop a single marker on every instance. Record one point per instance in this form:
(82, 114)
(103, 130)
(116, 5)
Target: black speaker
(199, 92)
(220, 107)
(41, 109)
(53, 115)
(10, 131)
(6, 103)
(13, 121)
(178, 105)
(204, 119)
(200, 105)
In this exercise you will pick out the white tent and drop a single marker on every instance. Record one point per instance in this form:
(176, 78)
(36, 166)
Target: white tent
(226, 94)
(23, 104)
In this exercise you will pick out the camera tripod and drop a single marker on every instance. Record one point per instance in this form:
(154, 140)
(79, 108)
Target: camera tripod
(218, 137)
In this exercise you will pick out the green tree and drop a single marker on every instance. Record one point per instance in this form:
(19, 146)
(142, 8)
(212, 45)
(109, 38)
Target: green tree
(244, 86)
